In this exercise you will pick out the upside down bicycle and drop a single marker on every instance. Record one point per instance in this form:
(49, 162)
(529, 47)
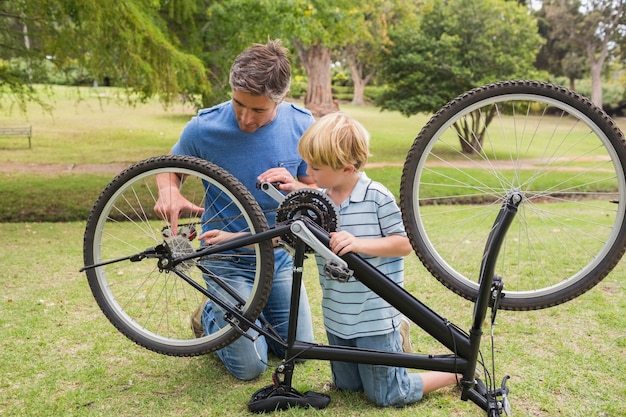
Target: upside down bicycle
(499, 184)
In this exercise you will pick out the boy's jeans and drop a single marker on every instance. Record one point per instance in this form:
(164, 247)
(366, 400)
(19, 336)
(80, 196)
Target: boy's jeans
(383, 385)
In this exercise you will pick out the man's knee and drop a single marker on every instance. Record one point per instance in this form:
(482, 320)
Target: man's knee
(247, 373)
(244, 359)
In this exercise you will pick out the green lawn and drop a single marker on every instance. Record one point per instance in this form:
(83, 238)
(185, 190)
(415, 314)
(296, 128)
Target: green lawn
(60, 356)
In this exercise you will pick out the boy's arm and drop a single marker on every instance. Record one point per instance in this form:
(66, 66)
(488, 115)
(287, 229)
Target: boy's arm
(386, 247)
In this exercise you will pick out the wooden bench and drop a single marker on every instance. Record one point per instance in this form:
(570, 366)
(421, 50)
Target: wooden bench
(26, 131)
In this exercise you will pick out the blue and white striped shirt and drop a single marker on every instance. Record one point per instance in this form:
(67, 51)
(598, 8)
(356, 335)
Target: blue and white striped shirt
(351, 309)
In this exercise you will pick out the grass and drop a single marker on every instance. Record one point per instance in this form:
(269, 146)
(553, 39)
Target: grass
(60, 356)
(27, 197)
(90, 126)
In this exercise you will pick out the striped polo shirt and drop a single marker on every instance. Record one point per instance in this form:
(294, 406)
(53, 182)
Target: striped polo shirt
(350, 309)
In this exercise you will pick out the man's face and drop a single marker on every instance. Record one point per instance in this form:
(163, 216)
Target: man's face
(253, 112)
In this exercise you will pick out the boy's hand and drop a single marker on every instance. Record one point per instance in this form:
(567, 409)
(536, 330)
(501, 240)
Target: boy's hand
(343, 242)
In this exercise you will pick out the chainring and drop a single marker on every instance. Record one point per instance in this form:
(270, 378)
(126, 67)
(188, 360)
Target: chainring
(310, 203)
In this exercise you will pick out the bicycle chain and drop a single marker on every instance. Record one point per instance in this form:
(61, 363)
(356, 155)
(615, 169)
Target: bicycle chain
(188, 231)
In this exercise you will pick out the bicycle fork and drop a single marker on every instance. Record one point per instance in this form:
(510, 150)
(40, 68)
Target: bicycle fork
(494, 400)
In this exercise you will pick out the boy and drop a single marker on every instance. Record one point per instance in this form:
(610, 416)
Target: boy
(335, 149)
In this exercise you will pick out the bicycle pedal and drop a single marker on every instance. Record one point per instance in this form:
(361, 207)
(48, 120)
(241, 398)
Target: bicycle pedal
(334, 271)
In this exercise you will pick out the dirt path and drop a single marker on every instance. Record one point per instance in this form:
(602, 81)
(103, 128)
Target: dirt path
(63, 168)
(116, 168)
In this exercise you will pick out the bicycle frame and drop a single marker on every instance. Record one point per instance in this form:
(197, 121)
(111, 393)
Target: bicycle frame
(464, 347)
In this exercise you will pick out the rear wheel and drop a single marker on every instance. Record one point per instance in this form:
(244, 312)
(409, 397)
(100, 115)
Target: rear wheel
(564, 155)
(148, 304)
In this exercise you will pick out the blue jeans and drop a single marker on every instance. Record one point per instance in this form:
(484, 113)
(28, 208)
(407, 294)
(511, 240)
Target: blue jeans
(244, 358)
(383, 385)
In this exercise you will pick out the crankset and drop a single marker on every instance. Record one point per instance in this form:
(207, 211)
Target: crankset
(312, 204)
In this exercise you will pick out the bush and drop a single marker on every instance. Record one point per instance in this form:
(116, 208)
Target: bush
(372, 92)
(612, 94)
(298, 86)
(342, 92)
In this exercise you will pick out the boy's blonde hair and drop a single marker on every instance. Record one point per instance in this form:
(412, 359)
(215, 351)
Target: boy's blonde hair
(335, 141)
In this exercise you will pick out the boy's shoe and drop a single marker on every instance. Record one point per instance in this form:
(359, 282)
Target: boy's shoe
(196, 319)
(405, 327)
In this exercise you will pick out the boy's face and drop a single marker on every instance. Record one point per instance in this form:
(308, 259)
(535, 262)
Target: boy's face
(327, 177)
(253, 112)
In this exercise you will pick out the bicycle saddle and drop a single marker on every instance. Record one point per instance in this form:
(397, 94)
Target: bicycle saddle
(282, 397)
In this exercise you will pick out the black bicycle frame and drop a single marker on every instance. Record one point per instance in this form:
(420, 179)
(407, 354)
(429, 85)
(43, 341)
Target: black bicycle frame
(464, 347)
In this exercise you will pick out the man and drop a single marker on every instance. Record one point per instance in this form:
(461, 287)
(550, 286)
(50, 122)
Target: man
(253, 136)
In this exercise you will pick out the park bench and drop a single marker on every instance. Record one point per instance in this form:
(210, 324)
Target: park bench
(26, 131)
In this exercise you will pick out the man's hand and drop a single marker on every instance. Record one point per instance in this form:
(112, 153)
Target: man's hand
(287, 182)
(171, 204)
(213, 237)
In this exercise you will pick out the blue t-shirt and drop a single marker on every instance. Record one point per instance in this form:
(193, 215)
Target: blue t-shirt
(214, 135)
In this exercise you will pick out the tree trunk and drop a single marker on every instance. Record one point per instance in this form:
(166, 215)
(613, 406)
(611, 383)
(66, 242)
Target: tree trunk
(319, 95)
(596, 61)
(29, 69)
(596, 83)
(358, 94)
(358, 81)
(471, 130)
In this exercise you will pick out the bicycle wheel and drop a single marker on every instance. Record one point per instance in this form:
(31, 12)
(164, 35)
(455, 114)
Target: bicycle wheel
(564, 155)
(150, 305)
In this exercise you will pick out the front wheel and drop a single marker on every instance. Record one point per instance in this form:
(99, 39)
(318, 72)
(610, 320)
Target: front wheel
(152, 305)
(565, 157)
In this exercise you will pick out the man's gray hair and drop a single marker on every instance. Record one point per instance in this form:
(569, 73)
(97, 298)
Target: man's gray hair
(262, 70)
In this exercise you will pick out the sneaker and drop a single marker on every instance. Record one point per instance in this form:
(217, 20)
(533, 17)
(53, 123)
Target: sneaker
(405, 335)
(196, 319)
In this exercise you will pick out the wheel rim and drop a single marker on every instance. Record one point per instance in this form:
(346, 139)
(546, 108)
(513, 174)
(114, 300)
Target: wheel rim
(534, 214)
(148, 302)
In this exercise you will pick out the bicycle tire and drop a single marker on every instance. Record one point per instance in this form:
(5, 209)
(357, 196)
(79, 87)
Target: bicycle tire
(151, 306)
(565, 155)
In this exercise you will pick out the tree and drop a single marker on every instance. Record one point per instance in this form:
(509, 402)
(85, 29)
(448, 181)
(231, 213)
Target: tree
(189, 21)
(459, 44)
(365, 50)
(124, 41)
(600, 29)
(560, 55)
(232, 25)
(591, 29)
(314, 28)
